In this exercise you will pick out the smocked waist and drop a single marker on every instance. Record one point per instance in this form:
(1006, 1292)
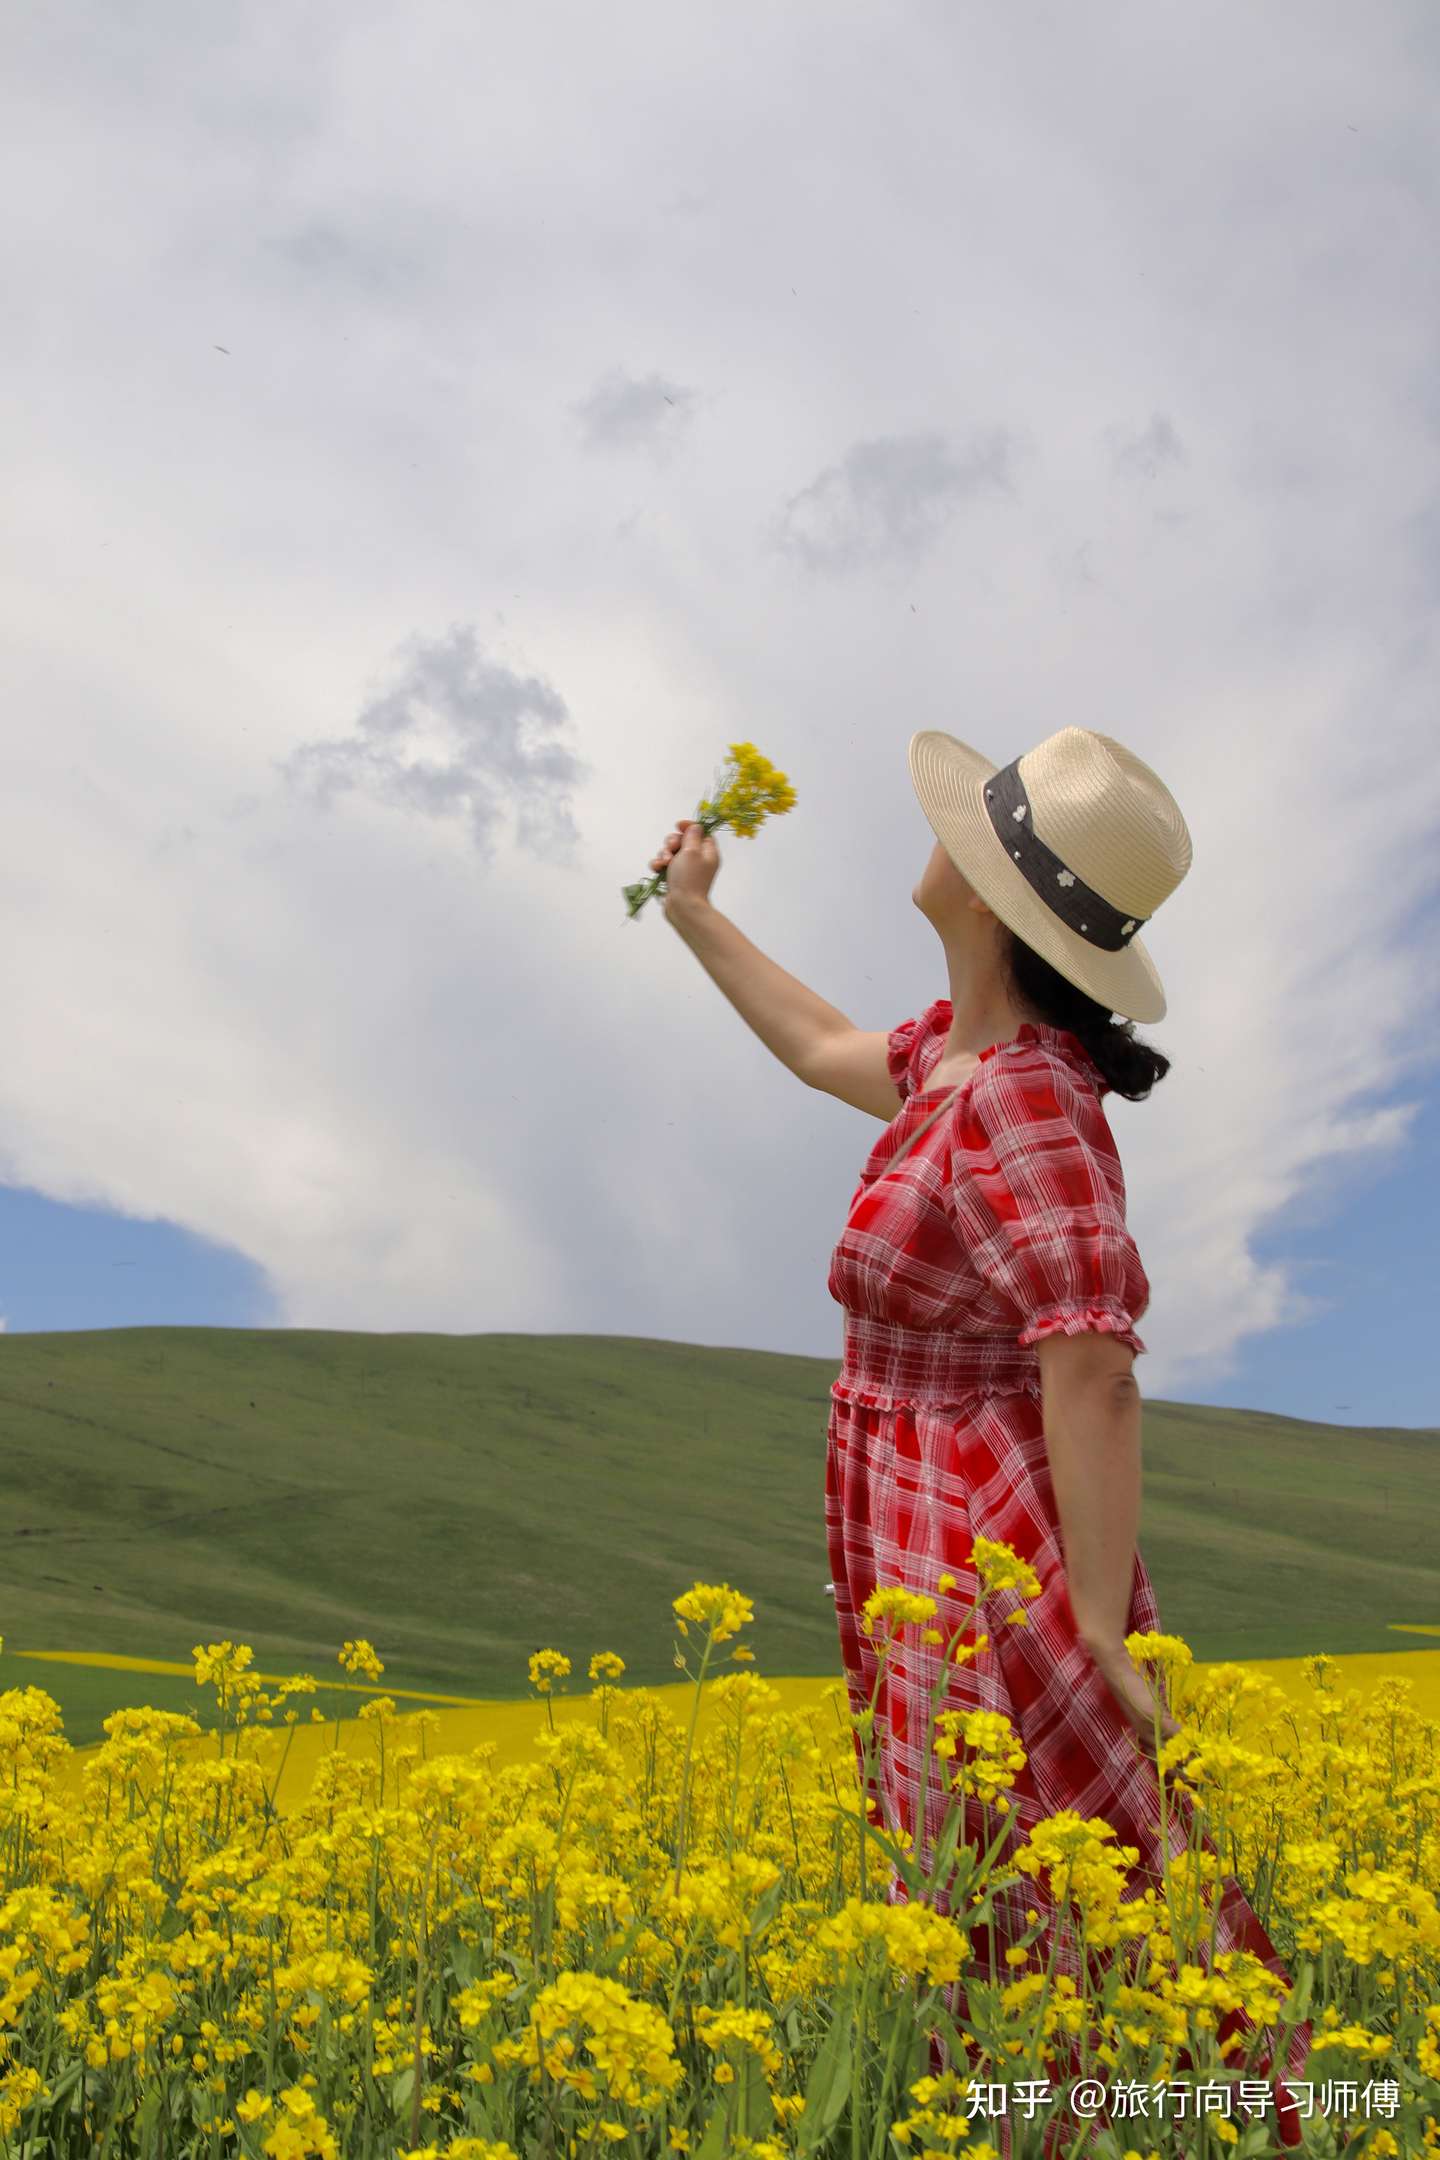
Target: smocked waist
(883, 1363)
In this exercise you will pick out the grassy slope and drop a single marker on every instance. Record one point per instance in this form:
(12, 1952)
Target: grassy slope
(463, 1500)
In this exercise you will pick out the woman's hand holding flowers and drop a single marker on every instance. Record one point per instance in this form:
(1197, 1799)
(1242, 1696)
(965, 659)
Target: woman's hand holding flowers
(750, 791)
(690, 860)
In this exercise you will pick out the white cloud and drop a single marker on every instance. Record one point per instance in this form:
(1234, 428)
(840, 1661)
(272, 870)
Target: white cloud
(624, 414)
(892, 498)
(492, 728)
(1023, 373)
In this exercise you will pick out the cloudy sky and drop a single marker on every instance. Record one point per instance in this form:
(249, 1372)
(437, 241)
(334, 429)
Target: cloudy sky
(433, 433)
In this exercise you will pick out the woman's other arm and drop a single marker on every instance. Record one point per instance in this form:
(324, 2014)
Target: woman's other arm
(1092, 1412)
(1092, 1439)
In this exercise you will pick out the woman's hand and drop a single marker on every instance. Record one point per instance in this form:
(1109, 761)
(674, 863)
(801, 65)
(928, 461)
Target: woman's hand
(1132, 1693)
(690, 860)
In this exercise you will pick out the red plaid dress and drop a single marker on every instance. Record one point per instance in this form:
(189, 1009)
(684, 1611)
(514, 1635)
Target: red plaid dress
(1005, 1223)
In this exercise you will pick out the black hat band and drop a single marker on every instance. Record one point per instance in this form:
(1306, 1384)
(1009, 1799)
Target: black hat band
(1067, 895)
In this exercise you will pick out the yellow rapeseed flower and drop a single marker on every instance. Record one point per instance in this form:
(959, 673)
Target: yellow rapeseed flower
(721, 1611)
(892, 1601)
(749, 790)
(1000, 1567)
(359, 1657)
(648, 1871)
(993, 1755)
(546, 1667)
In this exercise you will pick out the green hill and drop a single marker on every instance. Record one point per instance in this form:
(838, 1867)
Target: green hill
(464, 1500)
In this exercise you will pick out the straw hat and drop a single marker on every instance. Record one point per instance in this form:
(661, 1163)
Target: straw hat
(1074, 846)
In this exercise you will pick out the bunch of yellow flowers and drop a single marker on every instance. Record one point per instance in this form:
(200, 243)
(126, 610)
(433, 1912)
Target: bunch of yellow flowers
(750, 789)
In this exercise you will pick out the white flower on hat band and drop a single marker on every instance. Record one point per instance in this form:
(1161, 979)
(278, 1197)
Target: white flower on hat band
(1126, 928)
(1019, 810)
(1067, 877)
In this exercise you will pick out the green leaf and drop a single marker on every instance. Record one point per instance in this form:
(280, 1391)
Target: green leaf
(983, 1997)
(766, 1910)
(943, 1852)
(883, 2022)
(712, 2145)
(1106, 2145)
(917, 2061)
(68, 2079)
(759, 2104)
(147, 2115)
(829, 2084)
(172, 1921)
(905, 1866)
(1300, 1995)
(898, 2022)
(611, 1962)
(401, 2087)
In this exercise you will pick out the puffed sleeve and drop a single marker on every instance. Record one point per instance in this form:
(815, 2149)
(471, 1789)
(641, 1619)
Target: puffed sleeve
(1037, 1196)
(915, 1044)
(900, 1051)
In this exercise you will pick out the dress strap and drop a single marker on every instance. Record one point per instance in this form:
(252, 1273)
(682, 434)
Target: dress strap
(929, 1121)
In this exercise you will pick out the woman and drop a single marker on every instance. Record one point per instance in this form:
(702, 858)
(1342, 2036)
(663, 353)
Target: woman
(991, 1288)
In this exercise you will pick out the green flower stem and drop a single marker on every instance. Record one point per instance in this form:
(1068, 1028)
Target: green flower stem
(857, 2053)
(1060, 1907)
(683, 1822)
(680, 1969)
(882, 2108)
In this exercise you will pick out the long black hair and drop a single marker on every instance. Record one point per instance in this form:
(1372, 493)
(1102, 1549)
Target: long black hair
(1131, 1067)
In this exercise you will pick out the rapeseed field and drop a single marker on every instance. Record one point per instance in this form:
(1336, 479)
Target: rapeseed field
(668, 1934)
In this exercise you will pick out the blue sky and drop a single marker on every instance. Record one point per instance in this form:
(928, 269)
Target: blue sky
(434, 446)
